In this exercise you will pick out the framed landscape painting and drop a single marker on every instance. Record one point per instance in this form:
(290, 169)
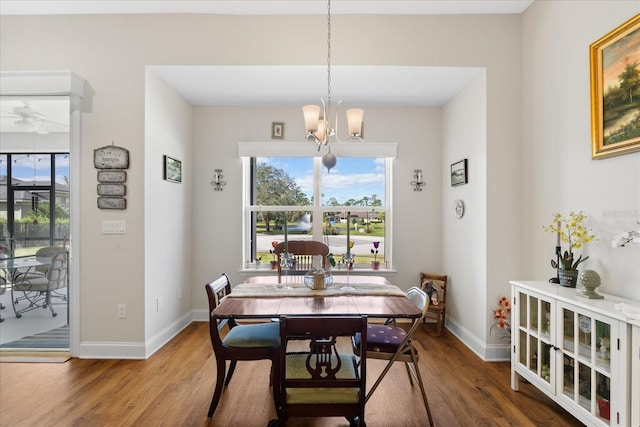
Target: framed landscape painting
(615, 91)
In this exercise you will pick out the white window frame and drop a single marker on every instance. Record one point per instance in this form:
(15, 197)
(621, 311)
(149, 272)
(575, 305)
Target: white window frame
(248, 150)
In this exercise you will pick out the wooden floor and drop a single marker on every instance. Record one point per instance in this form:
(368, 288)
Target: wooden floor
(174, 387)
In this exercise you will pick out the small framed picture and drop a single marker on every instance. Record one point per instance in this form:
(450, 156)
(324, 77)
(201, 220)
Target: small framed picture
(172, 169)
(277, 130)
(459, 173)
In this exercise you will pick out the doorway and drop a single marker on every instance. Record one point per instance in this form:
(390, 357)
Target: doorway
(35, 214)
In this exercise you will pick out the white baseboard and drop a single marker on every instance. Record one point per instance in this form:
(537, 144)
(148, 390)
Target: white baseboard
(487, 352)
(135, 350)
(144, 350)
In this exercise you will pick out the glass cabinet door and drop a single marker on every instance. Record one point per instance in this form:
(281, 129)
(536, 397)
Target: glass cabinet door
(535, 336)
(585, 351)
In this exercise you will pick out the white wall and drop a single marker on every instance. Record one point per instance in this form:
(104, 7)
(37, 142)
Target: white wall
(168, 212)
(559, 174)
(465, 241)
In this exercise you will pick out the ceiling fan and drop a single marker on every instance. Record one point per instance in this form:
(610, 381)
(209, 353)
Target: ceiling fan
(30, 120)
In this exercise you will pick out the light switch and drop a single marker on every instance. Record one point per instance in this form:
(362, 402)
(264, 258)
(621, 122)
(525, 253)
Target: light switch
(118, 226)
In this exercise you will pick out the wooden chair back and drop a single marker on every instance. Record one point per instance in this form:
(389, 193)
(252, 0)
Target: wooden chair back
(321, 381)
(241, 342)
(435, 285)
(304, 252)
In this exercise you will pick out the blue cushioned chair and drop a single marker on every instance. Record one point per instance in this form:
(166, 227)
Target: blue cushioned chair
(391, 342)
(242, 342)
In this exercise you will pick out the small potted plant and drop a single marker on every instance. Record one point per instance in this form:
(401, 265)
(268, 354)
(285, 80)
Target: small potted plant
(571, 230)
(274, 261)
(375, 264)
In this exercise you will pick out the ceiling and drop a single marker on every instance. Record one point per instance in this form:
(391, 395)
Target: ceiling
(357, 86)
(263, 7)
(375, 86)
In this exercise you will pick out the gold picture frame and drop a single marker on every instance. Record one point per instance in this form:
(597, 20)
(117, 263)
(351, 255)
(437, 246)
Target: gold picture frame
(615, 115)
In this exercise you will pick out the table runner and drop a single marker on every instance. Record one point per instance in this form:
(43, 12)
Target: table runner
(277, 290)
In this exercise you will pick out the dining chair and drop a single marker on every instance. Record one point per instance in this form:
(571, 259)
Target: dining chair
(258, 341)
(323, 380)
(37, 287)
(392, 343)
(435, 285)
(304, 253)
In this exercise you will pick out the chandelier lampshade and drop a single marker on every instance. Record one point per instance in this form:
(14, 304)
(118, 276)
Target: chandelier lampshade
(316, 118)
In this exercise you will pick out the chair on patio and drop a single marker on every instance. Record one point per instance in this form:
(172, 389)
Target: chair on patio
(38, 287)
(323, 380)
(391, 342)
(242, 342)
(304, 253)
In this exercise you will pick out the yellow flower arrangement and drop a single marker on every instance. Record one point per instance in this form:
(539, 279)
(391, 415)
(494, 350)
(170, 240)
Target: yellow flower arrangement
(571, 230)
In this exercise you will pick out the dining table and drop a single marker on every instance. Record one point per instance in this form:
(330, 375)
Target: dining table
(261, 297)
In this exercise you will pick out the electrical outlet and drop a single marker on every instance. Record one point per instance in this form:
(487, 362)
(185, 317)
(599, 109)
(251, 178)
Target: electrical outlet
(159, 304)
(122, 311)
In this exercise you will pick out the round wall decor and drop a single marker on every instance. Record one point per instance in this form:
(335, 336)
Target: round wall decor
(458, 208)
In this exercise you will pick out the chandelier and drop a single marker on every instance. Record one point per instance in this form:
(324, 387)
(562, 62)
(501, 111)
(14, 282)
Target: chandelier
(319, 128)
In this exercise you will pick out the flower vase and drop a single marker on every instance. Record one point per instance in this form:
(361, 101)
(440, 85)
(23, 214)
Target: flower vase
(274, 265)
(375, 265)
(568, 278)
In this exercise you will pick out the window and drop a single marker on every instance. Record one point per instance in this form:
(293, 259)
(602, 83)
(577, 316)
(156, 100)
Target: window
(33, 212)
(316, 204)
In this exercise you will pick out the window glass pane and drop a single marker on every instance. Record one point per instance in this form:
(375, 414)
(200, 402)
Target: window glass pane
(284, 181)
(31, 169)
(270, 230)
(354, 182)
(366, 231)
(356, 185)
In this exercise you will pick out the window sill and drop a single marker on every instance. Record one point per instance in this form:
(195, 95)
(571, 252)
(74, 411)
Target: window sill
(267, 271)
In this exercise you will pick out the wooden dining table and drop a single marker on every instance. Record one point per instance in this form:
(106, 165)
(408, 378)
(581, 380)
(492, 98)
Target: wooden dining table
(263, 297)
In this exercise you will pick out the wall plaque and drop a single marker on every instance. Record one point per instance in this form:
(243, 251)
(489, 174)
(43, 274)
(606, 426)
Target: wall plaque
(112, 203)
(111, 157)
(112, 190)
(112, 176)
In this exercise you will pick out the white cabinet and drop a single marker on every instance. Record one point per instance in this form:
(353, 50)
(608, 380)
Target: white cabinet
(576, 350)
(635, 375)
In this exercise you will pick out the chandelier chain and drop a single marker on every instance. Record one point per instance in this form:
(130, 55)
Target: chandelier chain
(328, 55)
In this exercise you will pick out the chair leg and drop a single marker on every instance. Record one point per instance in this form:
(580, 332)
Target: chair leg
(232, 368)
(48, 303)
(406, 365)
(419, 376)
(277, 399)
(221, 367)
(440, 324)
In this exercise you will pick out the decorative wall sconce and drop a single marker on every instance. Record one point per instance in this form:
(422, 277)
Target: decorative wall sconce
(418, 183)
(217, 182)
